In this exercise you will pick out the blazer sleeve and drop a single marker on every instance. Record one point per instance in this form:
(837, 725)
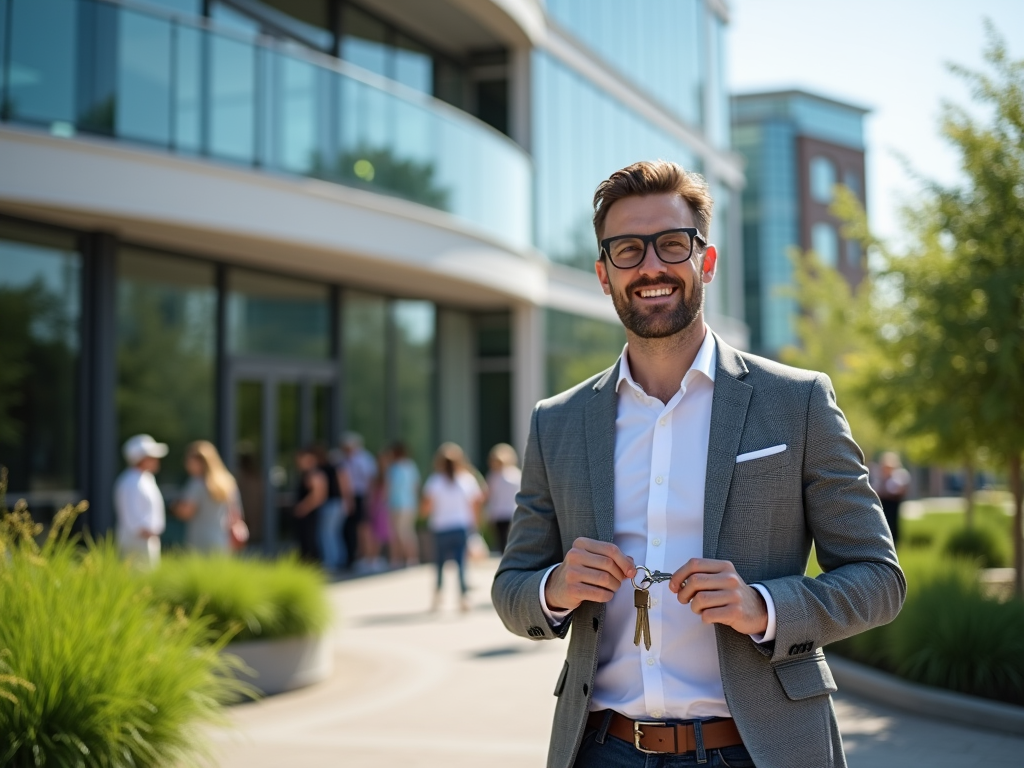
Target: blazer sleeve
(534, 545)
(862, 585)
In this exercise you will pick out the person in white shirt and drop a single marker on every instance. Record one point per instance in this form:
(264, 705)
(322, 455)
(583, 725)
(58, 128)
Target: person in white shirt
(451, 504)
(138, 502)
(502, 486)
(716, 469)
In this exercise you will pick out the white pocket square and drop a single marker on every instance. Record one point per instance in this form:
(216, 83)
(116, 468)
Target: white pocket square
(760, 454)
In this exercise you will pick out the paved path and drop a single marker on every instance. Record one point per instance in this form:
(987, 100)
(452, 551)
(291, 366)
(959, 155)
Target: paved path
(413, 688)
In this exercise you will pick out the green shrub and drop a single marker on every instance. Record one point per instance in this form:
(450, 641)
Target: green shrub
(92, 672)
(258, 599)
(948, 634)
(979, 542)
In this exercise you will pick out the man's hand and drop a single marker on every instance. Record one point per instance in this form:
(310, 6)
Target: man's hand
(718, 595)
(592, 570)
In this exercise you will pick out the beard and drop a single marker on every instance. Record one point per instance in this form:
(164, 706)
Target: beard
(658, 322)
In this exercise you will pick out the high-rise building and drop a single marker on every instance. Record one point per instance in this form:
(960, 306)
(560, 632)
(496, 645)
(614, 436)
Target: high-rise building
(264, 222)
(798, 146)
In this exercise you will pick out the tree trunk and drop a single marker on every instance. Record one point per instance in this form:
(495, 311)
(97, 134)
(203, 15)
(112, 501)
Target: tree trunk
(1018, 525)
(969, 493)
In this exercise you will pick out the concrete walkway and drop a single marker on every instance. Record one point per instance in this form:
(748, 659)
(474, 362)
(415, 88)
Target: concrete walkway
(413, 688)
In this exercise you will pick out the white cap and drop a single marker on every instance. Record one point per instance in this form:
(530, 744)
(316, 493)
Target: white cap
(138, 447)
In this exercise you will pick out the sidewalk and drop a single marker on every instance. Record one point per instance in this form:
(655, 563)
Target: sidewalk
(418, 689)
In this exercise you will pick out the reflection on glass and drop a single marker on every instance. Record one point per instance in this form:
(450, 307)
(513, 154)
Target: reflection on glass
(414, 371)
(823, 179)
(284, 476)
(414, 65)
(226, 16)
(365, 41)
(321, 414)
(495, 412)
(232, 99)
(297, 109)
(825, 242)
(144, 78)
(249, 455)
(188, 88)
(578, 347)
(273, 315)
(41, 76)
(39, 345)
(304, 20)
(364, 333)
(166, 316)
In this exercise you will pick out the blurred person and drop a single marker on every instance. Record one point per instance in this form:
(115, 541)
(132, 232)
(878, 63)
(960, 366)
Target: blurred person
(502, 486)
(376, 532)
(139, 505)
(211, 503)
(451, 504)
(361, 467)
(311, 493)
(403, 482)
(891, 485)
(332, 510)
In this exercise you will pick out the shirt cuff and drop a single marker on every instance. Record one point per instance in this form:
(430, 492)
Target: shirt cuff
(769, 633)
(555, 618)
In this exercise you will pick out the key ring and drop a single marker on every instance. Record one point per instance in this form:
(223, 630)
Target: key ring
(652, 577)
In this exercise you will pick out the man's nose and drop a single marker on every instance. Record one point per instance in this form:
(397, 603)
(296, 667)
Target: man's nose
(651, 264)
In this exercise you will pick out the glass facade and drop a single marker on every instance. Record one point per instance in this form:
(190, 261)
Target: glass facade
(823, 178)
(581, 135)
(40, 317)
(275, 316)
(810, 116)
(365, 343)
(825, 243)
(578, 347)
(415, 339)
(82, 65)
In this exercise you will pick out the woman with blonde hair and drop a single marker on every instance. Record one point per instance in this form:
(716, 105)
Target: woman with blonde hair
(210, 503)
(503, 481)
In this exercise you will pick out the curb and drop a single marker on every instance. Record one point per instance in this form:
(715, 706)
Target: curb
(926, 700)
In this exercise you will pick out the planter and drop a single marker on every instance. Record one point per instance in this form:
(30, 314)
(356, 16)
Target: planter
(285, 664)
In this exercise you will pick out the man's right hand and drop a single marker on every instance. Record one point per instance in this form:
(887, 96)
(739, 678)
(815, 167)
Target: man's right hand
(592, 570)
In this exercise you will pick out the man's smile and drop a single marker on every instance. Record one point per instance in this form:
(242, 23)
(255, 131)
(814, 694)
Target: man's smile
(652, 292)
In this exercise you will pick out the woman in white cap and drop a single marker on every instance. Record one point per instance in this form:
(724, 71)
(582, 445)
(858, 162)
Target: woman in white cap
(139, 503)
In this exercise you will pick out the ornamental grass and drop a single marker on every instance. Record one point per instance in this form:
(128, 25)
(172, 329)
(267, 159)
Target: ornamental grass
(93, 670)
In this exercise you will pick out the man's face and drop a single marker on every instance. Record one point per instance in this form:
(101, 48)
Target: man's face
(654, 299)
(149, 464)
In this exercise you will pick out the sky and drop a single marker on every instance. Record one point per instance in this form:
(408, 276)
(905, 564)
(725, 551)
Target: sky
(886, 55)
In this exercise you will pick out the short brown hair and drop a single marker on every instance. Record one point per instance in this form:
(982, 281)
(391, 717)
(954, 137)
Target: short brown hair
(652, 178)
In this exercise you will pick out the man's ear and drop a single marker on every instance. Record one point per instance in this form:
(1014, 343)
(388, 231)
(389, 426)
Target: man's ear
(602, 275)
(709, 264)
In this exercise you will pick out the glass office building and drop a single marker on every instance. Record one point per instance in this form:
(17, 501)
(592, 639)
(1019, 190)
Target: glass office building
(264, 223)
(798, 146)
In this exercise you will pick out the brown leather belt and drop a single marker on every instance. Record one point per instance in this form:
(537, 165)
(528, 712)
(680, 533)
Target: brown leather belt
(667, 738)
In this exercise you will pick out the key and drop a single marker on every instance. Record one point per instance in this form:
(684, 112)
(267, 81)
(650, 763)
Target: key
(656, 577)
(642, 601)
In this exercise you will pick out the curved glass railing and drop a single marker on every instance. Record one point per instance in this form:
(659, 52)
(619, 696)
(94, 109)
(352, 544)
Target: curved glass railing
(99, 67)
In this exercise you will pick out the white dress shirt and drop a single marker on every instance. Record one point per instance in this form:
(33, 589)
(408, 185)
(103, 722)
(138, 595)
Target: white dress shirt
(661, 456)
(139, 505)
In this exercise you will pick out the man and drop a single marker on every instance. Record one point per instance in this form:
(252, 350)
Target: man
(718, 467)
(139, 503)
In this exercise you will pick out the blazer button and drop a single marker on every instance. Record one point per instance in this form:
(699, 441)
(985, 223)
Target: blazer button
(535, 632)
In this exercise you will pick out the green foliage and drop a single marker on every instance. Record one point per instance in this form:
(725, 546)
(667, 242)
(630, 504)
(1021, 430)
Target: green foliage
(246, 599)
(92, 672)
(380, 169)
(979, 543)
(948, 634)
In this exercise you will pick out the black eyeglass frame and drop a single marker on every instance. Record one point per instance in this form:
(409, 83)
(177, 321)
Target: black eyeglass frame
(652, 240)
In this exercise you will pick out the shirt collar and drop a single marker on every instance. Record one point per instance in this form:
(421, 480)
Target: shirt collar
(705, 362)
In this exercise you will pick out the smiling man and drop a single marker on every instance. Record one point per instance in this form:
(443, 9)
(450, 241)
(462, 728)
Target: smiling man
(667, 511)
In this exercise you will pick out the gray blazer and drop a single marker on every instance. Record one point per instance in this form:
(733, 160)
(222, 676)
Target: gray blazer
(762, 515)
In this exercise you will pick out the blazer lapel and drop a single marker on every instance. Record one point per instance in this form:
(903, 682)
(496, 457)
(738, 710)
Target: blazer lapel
(728, 415)
(599, 420)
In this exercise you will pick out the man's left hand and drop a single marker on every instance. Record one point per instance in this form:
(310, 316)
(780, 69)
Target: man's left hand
(718, 595)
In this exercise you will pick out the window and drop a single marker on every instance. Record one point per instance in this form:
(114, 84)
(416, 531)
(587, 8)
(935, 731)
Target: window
(578, 347)
(40, 310)
(365, 341)
(825, 242)
(823, 179)
(414, 323)
(279, 316)
(853, 254)
(852, 180)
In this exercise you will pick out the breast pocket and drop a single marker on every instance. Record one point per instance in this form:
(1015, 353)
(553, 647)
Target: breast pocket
(776, 463)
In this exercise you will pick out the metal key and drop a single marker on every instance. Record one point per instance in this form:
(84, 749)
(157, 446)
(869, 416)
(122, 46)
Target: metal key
(642, 601)
(650, 577)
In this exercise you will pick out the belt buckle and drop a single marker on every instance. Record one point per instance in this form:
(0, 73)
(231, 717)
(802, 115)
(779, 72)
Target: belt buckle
(638, 734)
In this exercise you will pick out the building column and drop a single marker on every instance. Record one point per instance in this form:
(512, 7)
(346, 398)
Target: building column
(98, 449)
(519, 89)
(528, 368)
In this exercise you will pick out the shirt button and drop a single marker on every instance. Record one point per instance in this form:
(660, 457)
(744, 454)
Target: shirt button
(663, 421)
(656, 714)
(650, 661)
(654, 602)
(658, 479)
(656, 542)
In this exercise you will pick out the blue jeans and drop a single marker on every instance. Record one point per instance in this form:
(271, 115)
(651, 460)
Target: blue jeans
(330, 540)
(451, 545)
(616, 753)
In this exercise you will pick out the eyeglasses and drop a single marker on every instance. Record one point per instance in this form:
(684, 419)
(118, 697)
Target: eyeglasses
(673, 246)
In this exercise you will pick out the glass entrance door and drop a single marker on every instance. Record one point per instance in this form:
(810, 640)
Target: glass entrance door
(275, 412)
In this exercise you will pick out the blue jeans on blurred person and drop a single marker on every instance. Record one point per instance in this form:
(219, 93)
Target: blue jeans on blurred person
(451, 545)
(330, 538)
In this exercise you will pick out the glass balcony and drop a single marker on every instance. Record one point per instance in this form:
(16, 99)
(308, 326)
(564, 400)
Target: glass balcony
(99, 67)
